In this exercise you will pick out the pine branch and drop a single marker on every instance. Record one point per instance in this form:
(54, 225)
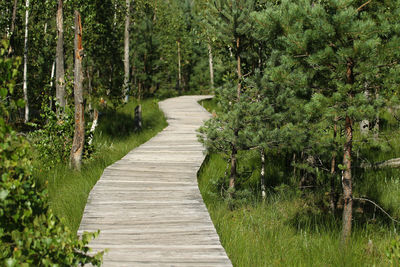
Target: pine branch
(376, 205)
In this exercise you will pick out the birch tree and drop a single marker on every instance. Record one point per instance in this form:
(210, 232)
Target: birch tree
(25, 78)
(126, 51)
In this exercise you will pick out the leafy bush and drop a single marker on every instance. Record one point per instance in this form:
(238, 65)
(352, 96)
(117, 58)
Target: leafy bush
(30, 234)
(53, 141)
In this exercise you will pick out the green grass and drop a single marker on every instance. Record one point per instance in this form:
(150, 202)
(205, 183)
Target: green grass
(114, 138)
(286, 230)
(295, 228)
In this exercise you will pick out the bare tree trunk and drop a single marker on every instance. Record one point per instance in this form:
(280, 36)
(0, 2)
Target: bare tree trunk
(364, 124)
(79, 134)
(137, 121)
(346, 174)
(60, 73)
(179, 65)
(53, 70)
(126, 51)
(12, 28)
(347, 182)
(211, 63)
(25, 79)
(89, 77)
(376, 126)
(332, 201)
(14, 16)
(115, 13)
(262, 176)
(233, 175)
(94, 125)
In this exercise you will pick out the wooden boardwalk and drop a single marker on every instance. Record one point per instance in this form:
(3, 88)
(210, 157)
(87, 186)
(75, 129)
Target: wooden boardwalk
(148, 206)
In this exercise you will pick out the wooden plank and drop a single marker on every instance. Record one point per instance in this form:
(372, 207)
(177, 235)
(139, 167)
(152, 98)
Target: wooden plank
(148, 206)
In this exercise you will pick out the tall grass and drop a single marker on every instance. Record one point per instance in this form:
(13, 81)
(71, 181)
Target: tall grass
(114, 138)
(293, 227)
(286, 230)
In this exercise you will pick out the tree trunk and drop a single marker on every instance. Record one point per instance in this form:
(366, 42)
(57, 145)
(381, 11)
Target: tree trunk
(89, 77)
(126, 52)
(94, 125)
(376, 125)
(25, 79)
(364, 124)
(210, 61)
(346, 174)
(137, 121)
(233, 175)
(332, 200)
(239, 68)
(12, 28)
(53, 70)
(347, 181)
(60, 73)
(262, 176)
(179, 66)
(79, 134)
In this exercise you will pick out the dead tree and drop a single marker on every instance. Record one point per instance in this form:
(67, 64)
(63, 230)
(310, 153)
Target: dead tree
(79, 134)
(60, 73)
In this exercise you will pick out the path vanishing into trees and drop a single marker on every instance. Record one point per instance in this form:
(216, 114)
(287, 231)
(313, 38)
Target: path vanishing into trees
(148, 206)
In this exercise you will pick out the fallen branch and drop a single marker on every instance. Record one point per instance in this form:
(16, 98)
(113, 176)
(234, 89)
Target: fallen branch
(376, 205)
(392, 163)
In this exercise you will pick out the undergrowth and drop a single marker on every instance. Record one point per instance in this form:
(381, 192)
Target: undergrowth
(294, 227)
(114, 138)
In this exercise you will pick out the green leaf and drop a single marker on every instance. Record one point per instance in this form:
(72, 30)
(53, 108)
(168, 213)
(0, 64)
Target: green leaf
(10, 262)
(4, 194)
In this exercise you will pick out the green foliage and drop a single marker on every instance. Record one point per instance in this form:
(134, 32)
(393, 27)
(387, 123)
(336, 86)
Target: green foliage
(114, 138)
(289, 227)
(30, 234)
(393, 252)
(53, 141)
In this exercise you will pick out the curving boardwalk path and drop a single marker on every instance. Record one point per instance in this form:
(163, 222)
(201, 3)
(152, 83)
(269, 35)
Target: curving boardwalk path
(148, 206)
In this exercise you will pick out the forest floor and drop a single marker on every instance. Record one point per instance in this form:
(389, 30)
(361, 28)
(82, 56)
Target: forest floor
(294, 227)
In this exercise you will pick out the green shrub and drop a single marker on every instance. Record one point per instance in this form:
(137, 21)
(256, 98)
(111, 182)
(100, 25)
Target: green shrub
(53, 141)
(30, 234)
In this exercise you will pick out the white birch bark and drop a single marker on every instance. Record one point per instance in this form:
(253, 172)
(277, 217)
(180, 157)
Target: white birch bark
(25, 76)
(211, 64)
(94, 125)
(263, 189)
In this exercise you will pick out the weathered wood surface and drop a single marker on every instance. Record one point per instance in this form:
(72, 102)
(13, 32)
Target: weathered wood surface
(148, 206)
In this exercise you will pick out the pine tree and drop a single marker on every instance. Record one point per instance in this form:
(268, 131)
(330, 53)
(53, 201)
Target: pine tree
(331, 55)
(229, 22)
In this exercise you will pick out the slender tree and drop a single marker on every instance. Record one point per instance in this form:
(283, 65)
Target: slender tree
(211, 66)
(230, 22)
(79, 134)
(25, 79)
(126, 50)
(60, 72)
(12, 28)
